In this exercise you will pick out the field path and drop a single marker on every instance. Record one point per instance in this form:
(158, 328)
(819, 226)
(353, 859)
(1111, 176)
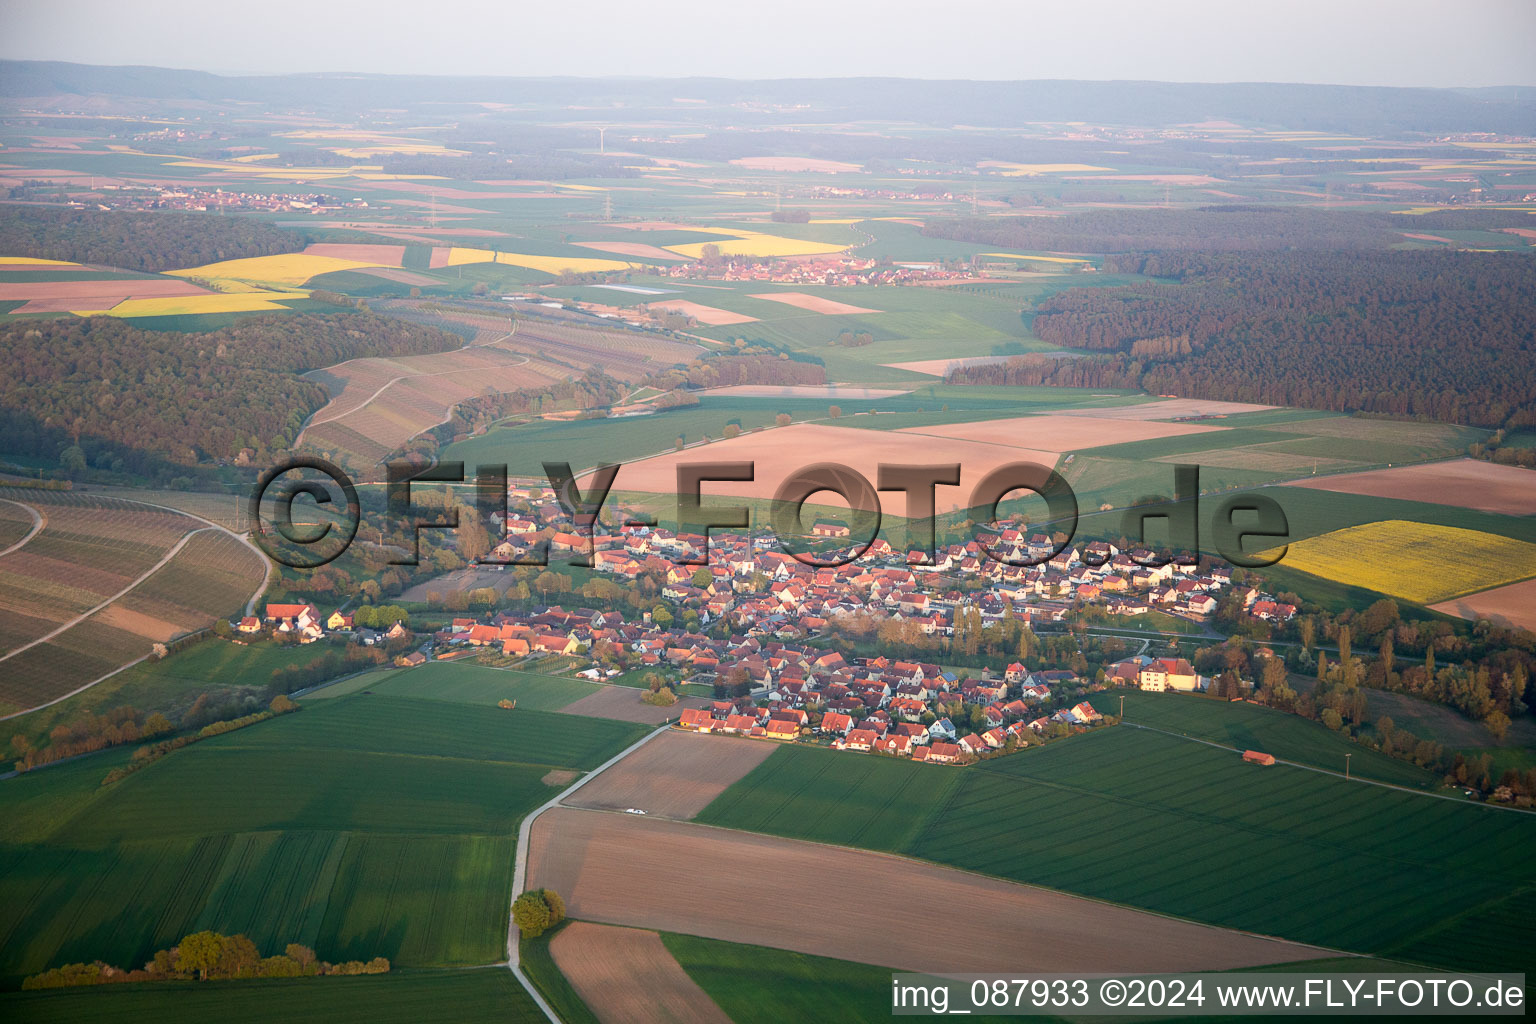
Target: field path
(146, 574)
(520, 862)
(38, 522)
(315, 418)
(250, 605)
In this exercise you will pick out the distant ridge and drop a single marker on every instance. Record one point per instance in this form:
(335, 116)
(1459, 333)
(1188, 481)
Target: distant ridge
(1341, 108)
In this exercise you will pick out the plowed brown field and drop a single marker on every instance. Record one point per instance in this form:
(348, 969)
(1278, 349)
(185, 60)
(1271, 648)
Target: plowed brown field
(787, 894)
(626, 976)
(673, 776)
(1467, 483)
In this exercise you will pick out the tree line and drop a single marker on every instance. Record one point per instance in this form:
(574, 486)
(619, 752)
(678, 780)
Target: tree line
(151, 242)
(207, 956)
(97, 392)
(1425, 334)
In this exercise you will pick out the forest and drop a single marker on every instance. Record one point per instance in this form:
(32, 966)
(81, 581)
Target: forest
(98, 392)
(151, 242)
(1429, 334)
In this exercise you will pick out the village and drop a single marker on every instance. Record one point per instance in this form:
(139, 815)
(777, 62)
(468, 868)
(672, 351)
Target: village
(755, 627)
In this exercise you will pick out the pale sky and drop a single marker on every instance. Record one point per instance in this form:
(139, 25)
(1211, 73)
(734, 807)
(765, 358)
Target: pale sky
(1349, 42)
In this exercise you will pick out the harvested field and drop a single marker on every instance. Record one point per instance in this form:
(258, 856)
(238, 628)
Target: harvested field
(626, 975)
(624, 704)
(80, 290)
(1171, 408)
(675, 776)
(383, 255)
(592, 858)
(782, 451)
(941, 367)
(633, 249)
(399, 276)
(814, 303)
(703, 314)
(381, 403)
(793, 163)
(119, 617)
(1060, 433)
(1466, 483)
(846, 392)
(1514, 605)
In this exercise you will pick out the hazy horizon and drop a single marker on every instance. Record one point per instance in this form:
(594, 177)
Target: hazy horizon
(1370, 43)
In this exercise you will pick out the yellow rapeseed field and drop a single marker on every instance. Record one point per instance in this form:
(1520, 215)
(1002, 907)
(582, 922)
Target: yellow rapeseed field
(1026, 256)
(29, 261)
(460, 255)
(290, 269)
(755, 243)
(178, 305)
(1415, 561)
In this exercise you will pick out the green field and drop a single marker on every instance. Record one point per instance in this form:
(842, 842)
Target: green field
(403, 997)
(171, 684)
(362, 826)
(758, 984)
(1159, 822)
(465, 682)
(1250, 727)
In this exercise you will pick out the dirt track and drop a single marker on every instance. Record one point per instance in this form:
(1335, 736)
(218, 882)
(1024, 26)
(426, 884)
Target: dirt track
(811, 898)
(626, 976)
(674, 776)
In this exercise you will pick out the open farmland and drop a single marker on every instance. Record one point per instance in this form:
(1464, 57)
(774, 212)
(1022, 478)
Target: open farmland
(674, 776)
(207, 573)
(1480, 485)
(1063, 433)
(1156, 821)
(89, 549)
(604, 964)
(379, 403)
(593, 857)
(365, 826)
(1416, 561)
(465, 682)
(781, 451)
(1245, 726)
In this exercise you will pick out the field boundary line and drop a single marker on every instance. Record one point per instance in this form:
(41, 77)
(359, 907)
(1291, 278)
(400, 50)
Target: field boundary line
(38, 522)
(520, 862)
(1337, 775)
